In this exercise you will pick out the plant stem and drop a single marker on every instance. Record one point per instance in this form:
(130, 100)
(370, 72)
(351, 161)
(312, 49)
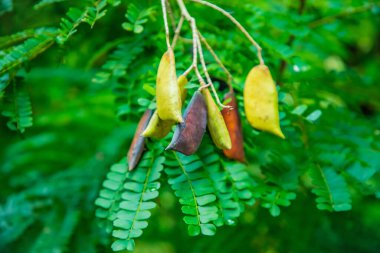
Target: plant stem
(218, 61)
(167, 34)
(197, 46)
(177, 31)
(239, 26)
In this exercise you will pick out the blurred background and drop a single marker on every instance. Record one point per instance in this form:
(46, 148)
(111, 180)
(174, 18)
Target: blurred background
(88, 93)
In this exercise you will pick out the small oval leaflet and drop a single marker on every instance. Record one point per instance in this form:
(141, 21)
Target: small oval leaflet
(188, 135)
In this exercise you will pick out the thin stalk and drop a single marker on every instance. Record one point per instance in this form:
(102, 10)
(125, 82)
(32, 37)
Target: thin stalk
(239, 26)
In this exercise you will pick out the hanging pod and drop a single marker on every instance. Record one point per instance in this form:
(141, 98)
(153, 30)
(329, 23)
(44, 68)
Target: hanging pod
(167, 91)
(188, 135)
(215, 123)
(137, 146)
(158, 128)
(261, 101)
(233, 123)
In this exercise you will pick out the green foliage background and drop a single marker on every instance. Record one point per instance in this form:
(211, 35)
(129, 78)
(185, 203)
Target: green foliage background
(76, 76)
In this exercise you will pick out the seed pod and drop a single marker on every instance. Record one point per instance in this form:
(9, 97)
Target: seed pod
(261, 101)
(233, 123)
(215, 123)
(167, 91)
(137, 146)
(158, 128)
(188, 135)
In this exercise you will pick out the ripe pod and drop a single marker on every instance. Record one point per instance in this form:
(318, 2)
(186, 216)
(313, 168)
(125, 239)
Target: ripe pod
(215, 123)
(137, 146)
(233, 123)
(158, 128)
(188, 135)
(167, 91)
(261, 101)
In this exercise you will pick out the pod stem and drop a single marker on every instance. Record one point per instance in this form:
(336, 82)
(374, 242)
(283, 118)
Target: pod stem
(177, 31)
(167, 33)
(197, 50)
(218, 61)
(239, 26)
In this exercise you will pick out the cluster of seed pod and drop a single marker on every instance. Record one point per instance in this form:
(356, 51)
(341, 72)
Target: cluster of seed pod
(260, 103)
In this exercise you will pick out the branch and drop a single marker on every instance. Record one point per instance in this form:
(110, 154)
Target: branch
(197, 46)
(177, 31)
(241, 28)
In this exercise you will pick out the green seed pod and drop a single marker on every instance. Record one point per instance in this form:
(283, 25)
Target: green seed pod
(158, 128)
(261, 101)
(167, 91)
(215, 123)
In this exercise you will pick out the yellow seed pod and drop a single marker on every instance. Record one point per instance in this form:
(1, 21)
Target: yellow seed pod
(167, 90)
(261, 101)
(158, 128)
(215, 123)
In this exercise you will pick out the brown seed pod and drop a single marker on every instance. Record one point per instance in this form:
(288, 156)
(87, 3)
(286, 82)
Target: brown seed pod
(188, 135)
(137, 146)
(233, 123)
(261, 101)
(215, 123)
(167, 90)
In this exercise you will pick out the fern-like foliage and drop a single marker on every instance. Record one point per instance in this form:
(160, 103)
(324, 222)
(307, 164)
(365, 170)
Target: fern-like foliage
(274, 198)
(127, 197)
(330, 188)
(75, 16)
(9, 40)
(110, 194)
(26, 51)
(4, 82)
(43, 3)
(136, 17)
(195, 191)
(119, 61)
(232, 183)
(18, 108)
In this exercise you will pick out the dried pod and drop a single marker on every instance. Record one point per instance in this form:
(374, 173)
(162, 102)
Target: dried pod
(137, 146)
(188, 135)
(158, 128)
(215, 123)
(261, 101)
(167, 90)
(233, 123)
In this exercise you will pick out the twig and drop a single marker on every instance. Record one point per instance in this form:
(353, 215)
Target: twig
(167, 34)
(171, 14)
(345, 13)
(197, 46)
(241, 28)
(177, 31)
(208, 78)
(193, 26)
(218, 61)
